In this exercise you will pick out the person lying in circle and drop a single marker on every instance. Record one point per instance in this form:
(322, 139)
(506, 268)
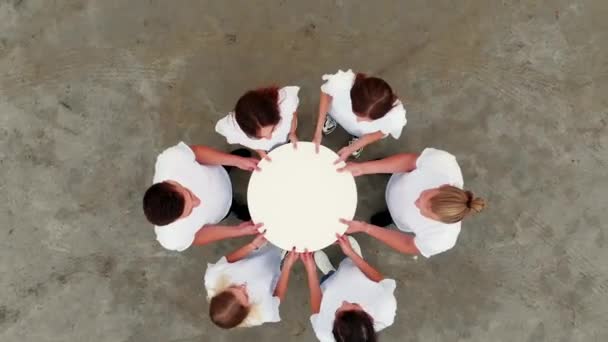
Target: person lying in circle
(425, 199)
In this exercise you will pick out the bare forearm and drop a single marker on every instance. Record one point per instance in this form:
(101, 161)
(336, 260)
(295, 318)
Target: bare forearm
(367, 139)
(212, 233)
(370, 272)
(281, 287)
(210, 156)
(240, 253)
(399, 241)
(404, 162)
(315, 292)
(294, 123)
(324, 101)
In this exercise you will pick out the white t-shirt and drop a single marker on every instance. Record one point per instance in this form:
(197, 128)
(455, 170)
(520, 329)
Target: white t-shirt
(349, 284)
(288, 104)
(434, 168)
(210, 183)
(260, 271)
(338, 87)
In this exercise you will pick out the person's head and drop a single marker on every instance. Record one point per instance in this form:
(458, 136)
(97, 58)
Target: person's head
(229, 308)
(371, 97)
(257, 112)
(353, 324)
(168, 201)
(449, 204)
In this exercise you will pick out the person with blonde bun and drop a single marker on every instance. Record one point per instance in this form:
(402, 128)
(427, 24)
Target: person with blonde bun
(425, 199)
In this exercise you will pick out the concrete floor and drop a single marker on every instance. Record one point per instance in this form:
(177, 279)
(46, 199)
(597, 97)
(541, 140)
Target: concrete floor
(91, 91)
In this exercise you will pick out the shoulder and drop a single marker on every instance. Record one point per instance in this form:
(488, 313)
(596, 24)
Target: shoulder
(288, 99)
(441, 162)
(179, 152)
(441, 239)
(173, 237)
(340, 81)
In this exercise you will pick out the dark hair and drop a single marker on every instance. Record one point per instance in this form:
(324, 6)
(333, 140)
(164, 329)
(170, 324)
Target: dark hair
(226, 311)
(163, 204)
(354, 326)
(371, 97)
(256, 109)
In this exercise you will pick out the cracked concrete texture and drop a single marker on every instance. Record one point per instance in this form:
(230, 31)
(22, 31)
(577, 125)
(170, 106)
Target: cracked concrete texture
(91, 91)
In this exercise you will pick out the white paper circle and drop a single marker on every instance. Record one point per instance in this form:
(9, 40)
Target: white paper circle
(300, 197)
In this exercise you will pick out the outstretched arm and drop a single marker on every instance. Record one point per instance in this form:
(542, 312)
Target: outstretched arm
(324, 103)
(397, 240)
(370, 272)
(210, 156)
(281, 287)
(313, 282)
(215, 232)
(403, 162)
(245, 250)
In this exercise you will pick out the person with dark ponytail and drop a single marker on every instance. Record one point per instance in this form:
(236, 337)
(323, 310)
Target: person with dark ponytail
(352, 303)
(366, 107)
(263, 119)
(425, 197)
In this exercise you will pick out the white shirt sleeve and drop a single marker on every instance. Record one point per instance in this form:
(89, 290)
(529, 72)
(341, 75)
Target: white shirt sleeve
(229, 128)
(288, 103)
(213, 275)
(441, 162)
(173, 238)
(338, 83)
(322, 334)
(430, 245)
(384, 315)
(166, 161)
(395, 120)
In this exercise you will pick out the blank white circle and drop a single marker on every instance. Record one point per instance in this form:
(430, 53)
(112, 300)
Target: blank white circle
(300, 197)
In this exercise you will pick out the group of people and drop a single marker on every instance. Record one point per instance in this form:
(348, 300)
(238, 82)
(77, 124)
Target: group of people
(192, 193)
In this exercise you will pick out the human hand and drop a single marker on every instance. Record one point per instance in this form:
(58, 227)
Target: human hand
(248, 164)
(347, 249)
(263, 155)
(308, 260)
(344, 153)
(259, 240)
(356, 169)
(317, 141)
(293, 137)
(355, 226)
(291, 258)
(249, 228)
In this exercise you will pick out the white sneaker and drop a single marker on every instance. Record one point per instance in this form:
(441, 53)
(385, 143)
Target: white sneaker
(329, 125)
(323, 262)
(356, 154)
(355, 246)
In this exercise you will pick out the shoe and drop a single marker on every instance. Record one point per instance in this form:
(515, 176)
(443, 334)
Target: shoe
(329, 125)
(357, 153)
(240, 211)
(355, 246)
(323, 262)
(381, 219)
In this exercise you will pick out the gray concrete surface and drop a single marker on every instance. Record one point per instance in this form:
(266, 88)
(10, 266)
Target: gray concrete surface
(91, 91)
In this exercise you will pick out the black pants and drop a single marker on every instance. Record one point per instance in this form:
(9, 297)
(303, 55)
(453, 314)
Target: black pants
(240, 210)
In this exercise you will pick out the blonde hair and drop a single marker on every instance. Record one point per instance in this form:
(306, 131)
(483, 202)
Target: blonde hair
(452, 204)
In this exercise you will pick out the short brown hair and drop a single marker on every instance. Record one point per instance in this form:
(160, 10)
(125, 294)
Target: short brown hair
(257, 109)
(226, 311)
(163, 204)
(453, 204)
(371, 97)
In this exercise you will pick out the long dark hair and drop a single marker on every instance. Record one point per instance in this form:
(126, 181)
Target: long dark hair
(371, 97)
(256, 109)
